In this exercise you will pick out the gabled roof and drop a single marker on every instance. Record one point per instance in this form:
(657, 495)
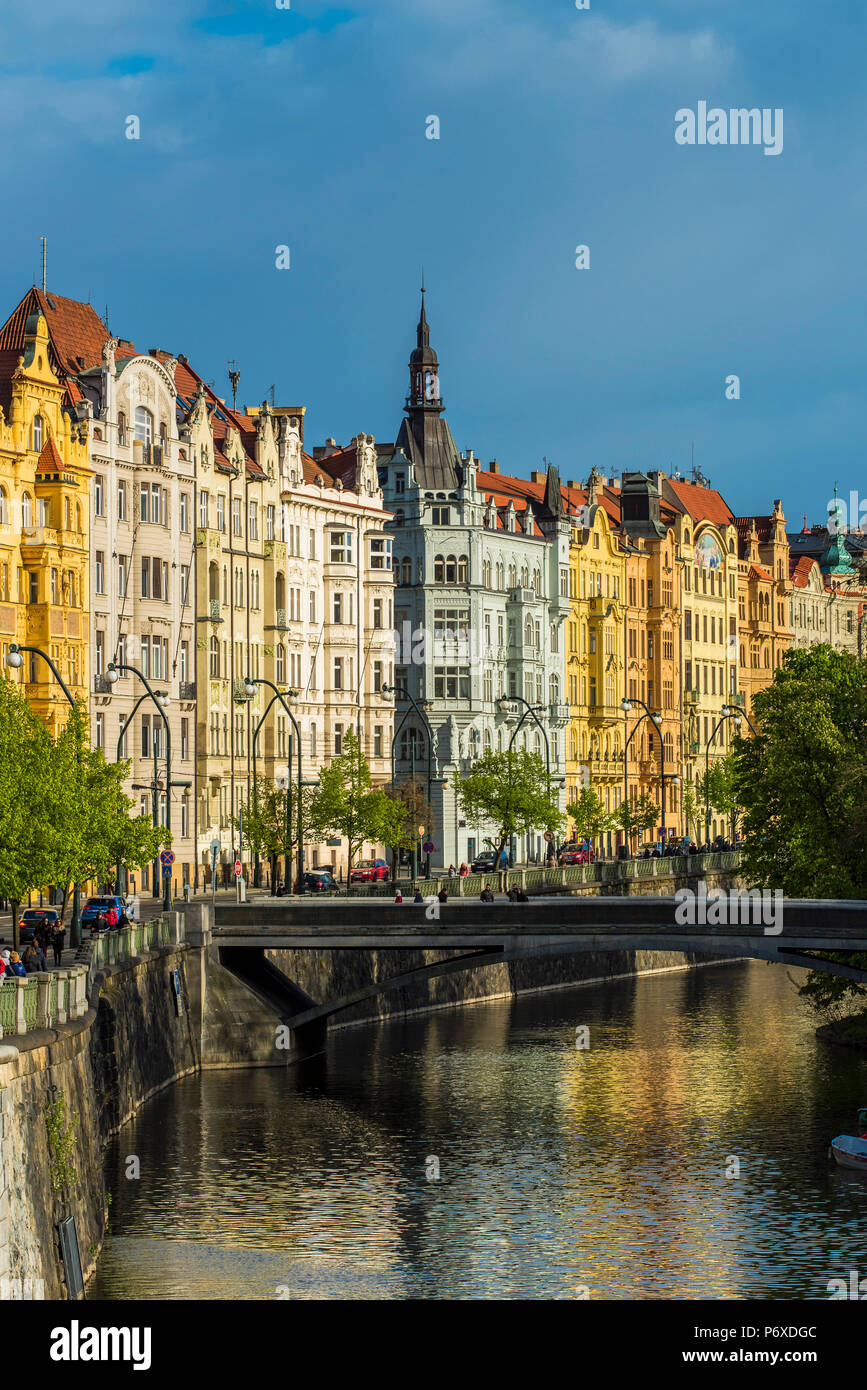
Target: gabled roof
(76, 335)
(701, 503)
(800, 568)
(758, 572)
(49, 459)
(222, 417)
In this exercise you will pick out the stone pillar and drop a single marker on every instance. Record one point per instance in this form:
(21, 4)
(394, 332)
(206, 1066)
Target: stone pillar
(80, 990)
(198, 931)
(62, 995)
(20, 1021)
(43, 997)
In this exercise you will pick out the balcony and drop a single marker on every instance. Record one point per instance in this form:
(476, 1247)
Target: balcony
(101, 685)
(522, 596)
(737, 699)
(213, 614)
(690, 697)
(187, 690)
(558, 714)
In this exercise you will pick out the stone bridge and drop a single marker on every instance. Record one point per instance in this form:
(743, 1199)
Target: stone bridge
(475, 934)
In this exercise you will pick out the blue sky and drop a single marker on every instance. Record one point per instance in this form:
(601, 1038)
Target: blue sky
(306, 127)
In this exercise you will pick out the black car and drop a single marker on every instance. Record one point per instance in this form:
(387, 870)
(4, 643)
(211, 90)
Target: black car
(318, 881)
(30, 919)
(484, 863)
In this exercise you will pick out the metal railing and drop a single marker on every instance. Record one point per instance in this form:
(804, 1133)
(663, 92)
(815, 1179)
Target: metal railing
(49, 998)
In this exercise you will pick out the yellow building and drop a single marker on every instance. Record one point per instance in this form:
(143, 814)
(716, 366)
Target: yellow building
(594, 658)
(44, 518)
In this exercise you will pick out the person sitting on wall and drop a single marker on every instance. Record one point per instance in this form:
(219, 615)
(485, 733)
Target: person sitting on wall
(418, 897)
(521, 896)
(442, 896)
(398, 897)
(486, 896)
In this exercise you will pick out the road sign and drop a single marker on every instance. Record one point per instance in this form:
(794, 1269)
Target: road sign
(215, 847)
(549, 835)
(237, 868)
(421, 830)
(167, 856)
(428, 847)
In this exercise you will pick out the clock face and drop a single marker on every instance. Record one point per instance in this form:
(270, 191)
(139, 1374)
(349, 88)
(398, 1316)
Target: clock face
(707, 552)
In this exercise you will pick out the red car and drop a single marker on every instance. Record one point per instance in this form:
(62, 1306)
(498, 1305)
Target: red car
(369, 871)
(574, 854)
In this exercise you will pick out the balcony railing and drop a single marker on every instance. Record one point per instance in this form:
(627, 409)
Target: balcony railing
(101, 685)
(187, 690)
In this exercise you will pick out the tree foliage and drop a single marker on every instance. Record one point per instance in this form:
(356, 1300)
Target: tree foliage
(512, 792)
(801, 780)
(411, 799)
(346, 803)
(635, 819)
(589, 814)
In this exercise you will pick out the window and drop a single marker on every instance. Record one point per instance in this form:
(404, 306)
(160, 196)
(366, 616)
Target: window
(337, 608)
(185, 512)
(380, 553)
(400, 482)
(37, 433)
(121, 501)
(340, 552)
(236, 516)
(203, 508)
(99, 578)
(377, 676)
(269, 522)
(377, 612)
(185, 585)
(452, 683)
(144, 425)
(377, 740)
(145, 735)
(214, 659)
(281, 663)
(98, 497)
(441, 516)
(337, 681)
(221, 511)
(338, 740)
(253, 527)
(121, 427)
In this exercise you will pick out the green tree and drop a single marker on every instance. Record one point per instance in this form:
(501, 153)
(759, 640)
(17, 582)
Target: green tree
(800, 780)
(589, 814)
(692, 809)
(635, 819)
(512, 792)
(270, 823)
(411, 797)
(721, 790)
(26, 809)
(90, 829)
(346, 803)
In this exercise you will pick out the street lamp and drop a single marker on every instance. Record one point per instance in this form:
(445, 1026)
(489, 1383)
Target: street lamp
(162, 700)
(529, 709)
(15, 660)
(736, 714)
(626, 706)
(250, 684)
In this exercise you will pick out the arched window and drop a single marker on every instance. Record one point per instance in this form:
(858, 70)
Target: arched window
(528, 632)
(501, 576)
(27, 510)
(281, 663)
(214, 652)
(164, 434)
(213, 582)
(77, 516)
(144, 425)
(463, 569)
(499, 740)
(513, 576)
(573, 746)
(121, 427)
(554, 689)
(439, 569)
(37, 433)
(406, 571)
(487, 740)
(486, 574)
(280, 592)
(67, 514)
(537, 581)
(451, 570)
(525, 577)
(4, 507)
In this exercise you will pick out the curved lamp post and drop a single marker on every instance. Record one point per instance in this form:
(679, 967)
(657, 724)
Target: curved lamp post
(727, 712)
(530, 710)
(162, 701)
(626, 706)
(250, 683)
(403, 694)
(15, 660)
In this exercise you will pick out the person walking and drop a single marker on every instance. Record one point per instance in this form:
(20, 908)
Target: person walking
(453, 873)
(57, 943)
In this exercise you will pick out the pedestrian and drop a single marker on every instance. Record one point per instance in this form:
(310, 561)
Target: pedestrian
(41, 962)
(486, 896)
(30, 960)
(464, 870)
(111, 917)
(418, 897)
(512, 894)
(452, 871)
(442, 896)
(16, 964)
(57, 942)
(398, 897)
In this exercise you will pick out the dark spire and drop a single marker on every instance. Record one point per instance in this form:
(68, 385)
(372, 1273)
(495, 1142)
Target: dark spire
(425, 437)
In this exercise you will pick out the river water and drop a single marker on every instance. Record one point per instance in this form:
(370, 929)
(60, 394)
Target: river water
(564, 1173)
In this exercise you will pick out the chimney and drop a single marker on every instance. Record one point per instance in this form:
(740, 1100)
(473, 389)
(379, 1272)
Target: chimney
(571, 482)
(536, 477)
(493, 466)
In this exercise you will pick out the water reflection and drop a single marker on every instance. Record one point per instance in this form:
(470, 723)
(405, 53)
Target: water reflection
(560, 1167)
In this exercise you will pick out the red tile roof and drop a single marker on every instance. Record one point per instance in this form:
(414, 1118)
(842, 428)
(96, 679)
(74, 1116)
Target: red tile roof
(702, 503)
(75, 332)
(799, 570)
(50, 457)
(757, 572)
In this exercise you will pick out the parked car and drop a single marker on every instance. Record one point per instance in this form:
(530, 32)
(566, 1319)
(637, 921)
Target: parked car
(95, 908)
(30, 919)
(318, 881)
(369, 871)
(484, 863)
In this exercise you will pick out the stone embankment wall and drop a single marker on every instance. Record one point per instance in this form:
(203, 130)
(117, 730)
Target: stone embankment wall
(89, 1076)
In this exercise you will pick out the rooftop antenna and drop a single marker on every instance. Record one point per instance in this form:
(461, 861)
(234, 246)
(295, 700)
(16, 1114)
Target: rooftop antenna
(272, 389)
(44, 241)
(234, 377)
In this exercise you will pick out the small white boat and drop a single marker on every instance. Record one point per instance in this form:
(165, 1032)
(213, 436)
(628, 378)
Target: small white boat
(849, 1150)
